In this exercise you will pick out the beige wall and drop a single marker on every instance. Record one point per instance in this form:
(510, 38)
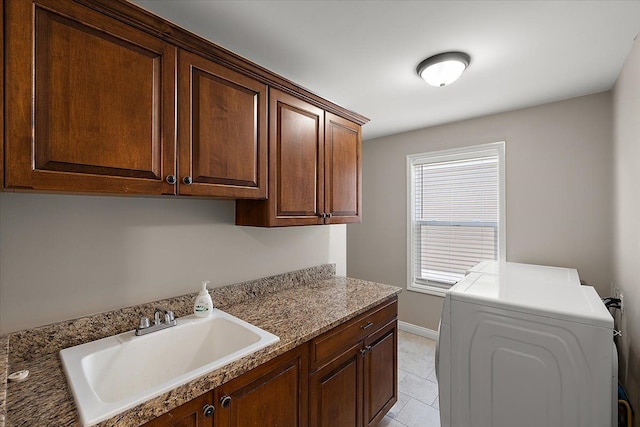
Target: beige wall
(626, 131)
(66, 256)
(559, 194)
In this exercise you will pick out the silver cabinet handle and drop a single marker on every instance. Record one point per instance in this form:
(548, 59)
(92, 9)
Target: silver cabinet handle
(225, 401)
(171, 179)
(367, 326)
(187, 180)
(208, 410)
(365, 350)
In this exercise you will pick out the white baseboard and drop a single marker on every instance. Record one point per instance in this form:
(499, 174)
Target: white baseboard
(418, 330)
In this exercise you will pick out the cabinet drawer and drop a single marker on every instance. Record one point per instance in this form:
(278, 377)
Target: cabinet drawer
(330, 344)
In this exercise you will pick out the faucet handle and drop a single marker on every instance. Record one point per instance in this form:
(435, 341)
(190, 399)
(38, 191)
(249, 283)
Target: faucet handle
(169, 316)
(144, 323)
(156, 316)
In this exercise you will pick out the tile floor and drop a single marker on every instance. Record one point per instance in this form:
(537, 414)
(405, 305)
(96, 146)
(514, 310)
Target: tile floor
(417, 404)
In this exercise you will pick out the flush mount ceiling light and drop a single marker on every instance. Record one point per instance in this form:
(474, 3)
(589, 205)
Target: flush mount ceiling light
(444, 68)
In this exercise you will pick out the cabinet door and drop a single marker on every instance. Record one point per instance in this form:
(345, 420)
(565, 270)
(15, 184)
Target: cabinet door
(296, 140)
(335, 392)
(100, 116)
(222, 131)
(343, 170)
(191, 414)
(380, 373)
(274, 394)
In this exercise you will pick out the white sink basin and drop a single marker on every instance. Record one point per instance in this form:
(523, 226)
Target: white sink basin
(116, 373)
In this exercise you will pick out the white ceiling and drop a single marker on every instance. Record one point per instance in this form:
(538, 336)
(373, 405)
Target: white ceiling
(363, 54)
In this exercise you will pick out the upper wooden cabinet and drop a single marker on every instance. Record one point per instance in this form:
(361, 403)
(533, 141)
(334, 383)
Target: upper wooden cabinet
(343, 170)
(103, 110)
(222, 131)
(98, 115)
(296, 166)
(314, 168)
(101, 96)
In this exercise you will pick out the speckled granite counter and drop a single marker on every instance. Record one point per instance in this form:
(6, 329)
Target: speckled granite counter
(297, 307)
(4, 365)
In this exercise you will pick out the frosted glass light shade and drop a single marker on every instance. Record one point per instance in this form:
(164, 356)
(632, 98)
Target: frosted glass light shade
(443, 69)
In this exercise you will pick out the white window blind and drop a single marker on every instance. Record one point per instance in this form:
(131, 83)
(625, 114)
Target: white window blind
(455, 214)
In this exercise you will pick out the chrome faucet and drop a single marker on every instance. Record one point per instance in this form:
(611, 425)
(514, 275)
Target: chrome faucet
(162, 319)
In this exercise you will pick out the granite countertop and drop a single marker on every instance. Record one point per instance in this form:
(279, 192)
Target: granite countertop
(298, 308)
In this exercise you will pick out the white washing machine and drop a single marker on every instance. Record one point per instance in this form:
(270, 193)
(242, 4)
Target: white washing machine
(529, 273)
(527, 346)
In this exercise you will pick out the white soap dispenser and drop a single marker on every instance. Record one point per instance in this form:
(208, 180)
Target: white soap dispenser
(203, 306)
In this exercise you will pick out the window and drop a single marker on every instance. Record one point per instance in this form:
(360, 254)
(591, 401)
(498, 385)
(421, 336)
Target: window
(456, 214)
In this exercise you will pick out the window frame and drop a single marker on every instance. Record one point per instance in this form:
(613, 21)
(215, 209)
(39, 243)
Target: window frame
(462, 153)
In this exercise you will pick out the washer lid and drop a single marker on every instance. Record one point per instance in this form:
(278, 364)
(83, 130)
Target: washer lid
(559, 275)
(523, 293)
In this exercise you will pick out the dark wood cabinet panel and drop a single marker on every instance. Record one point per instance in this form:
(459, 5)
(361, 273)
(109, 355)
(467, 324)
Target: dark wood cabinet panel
(357, 385)
(380, 373)
(335, 392)
(343, 170)
(296, 166)
(315, 168)
(274, 394)
(297, 138)
(191, 414)
(102, 108)
(333, 342)
(222, 130)
(89, 106)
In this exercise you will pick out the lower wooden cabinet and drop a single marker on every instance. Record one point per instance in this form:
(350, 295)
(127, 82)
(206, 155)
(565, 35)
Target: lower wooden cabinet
(273, 394)
(346, 377)
(195, 413)
(335, 392)
(380, 391)
(355, 381)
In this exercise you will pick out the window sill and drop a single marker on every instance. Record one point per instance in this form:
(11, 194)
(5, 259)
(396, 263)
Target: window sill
(426, 289)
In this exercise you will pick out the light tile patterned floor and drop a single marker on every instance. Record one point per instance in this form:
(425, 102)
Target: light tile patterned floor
(417, 404)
